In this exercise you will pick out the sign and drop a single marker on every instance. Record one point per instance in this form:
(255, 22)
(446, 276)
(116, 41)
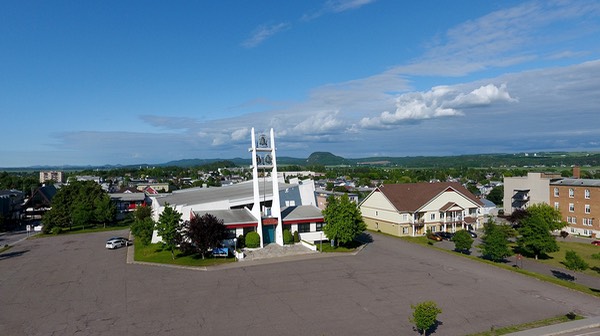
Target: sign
(269, 221)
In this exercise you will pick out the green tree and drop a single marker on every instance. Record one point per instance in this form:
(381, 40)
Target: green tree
(462, 241)
(425, 315)
(169, 228)
(142, 212)
(204, 232)
(105, 210)
(548, 214)
(494, 244)
(496, 195)
(73, 204)
(143, 229)
(574, 262)
(536, 238)
(343, 220)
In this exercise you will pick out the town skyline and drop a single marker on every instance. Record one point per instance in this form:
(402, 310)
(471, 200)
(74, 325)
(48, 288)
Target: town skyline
(115, 83)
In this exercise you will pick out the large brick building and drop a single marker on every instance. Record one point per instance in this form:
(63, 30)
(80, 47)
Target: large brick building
(579, 203)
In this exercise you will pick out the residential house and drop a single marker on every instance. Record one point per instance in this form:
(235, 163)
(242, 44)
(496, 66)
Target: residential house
(413, 208)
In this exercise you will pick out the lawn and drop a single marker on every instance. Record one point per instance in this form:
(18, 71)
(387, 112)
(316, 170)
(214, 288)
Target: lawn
(349, 247)
(585, 250)
(156, 254)
(84, 229)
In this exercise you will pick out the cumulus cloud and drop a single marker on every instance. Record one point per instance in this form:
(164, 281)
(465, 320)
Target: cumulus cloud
(482, 96)
(440, 101)
(264, 32)
(320, 123)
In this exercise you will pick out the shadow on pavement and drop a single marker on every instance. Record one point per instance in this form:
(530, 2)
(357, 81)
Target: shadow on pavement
(12, 254)
(365, 238)
(563, 275)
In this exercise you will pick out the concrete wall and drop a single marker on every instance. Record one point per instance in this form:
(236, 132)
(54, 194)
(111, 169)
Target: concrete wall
(537, 183)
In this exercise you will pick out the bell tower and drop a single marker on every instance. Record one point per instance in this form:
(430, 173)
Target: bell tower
(270, 226)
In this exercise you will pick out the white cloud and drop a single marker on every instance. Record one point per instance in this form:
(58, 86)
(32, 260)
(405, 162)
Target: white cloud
(337, 6)
(240, 134)
(320, 123)
(505, 37)
(482, 96)
(264, 32)
(440, 101)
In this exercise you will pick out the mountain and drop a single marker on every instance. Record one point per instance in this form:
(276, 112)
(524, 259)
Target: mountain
(326, 159)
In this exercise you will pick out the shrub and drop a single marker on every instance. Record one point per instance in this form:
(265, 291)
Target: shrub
(56, 230)
(287, 237)
(296, 237)
(241, 241)
(252, 240)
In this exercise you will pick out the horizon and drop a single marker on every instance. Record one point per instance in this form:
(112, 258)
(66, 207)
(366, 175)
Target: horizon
(118, 83)
(77, 166)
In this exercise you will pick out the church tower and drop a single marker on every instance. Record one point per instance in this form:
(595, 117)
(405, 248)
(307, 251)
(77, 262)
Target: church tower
(270, 226)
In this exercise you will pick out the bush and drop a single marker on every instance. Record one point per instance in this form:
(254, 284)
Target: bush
(296, 237)
(56, 230)
(252, 240)
(241, 241)
(287, 237)
(47, 228)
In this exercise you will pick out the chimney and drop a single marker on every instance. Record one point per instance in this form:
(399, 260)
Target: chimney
(576, 172)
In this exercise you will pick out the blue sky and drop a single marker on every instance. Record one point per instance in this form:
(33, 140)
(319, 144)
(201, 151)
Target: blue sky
(128, 82)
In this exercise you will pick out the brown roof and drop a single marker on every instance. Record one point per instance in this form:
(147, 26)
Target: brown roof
(413, 196)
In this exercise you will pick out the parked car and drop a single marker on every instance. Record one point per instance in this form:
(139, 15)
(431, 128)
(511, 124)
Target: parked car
(116, 242)
(446, 235)
(125, 240)
(596, 242)
(434, 236)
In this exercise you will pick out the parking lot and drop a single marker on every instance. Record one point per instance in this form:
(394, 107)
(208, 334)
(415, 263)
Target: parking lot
(73, 285)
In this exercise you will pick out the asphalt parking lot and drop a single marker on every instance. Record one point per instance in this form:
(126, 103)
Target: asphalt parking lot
(72, 285)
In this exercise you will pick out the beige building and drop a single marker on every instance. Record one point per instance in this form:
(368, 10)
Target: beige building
(413, 208)
(523, 191)
(56, 176)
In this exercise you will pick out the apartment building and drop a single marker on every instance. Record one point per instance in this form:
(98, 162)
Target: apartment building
(579, 203)
(56, 176)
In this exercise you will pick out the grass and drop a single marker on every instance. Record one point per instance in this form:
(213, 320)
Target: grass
(584, 250)
(575, 286)
(527, 326)
(86, 229)
(348, 247)
(5, 248)
(155, 253)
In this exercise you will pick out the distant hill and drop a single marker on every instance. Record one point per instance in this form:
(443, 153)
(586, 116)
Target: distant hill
(326, 159)
(539, 159)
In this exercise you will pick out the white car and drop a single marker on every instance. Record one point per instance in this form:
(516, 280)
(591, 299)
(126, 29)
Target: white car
(114, 243)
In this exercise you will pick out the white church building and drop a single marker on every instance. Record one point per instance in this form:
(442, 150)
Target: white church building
(266, 204)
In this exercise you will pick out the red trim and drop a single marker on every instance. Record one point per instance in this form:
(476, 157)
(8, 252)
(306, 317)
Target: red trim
(235, 226)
